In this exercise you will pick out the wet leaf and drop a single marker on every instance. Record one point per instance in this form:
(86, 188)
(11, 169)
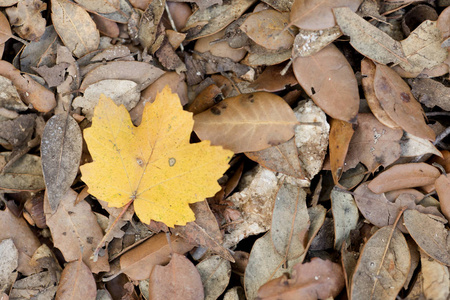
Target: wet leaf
(328, 79)
(23, 175)
(178, 280)
(215, 273)
(367, 39)
(345, 216)
(404, 176)
(382, 266)
(340, 136)
(430, 234)
(76, 282)
(75, 27)
(61, 147)
(399, 103)
(249, 122)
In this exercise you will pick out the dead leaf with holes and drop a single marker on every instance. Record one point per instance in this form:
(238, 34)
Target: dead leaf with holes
(152, 165)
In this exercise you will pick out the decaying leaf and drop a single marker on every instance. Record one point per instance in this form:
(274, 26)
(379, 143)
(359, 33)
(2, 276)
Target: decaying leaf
(76, 282)
(308, 42)
(345, 216)
(23, 175)
(328, 79)
(215, 273)
(27, 18)
(178, 280)
(9, 257)
(404, 176)
(436, 280)
(148, 26)
(152, 165)
(75, 27)
(430, 92)
(382, 267)
(248, 122)
(102, 6)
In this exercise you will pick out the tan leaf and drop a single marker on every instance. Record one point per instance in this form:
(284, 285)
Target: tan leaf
(27, 18)
(436, 281)
(178, 280)
(5, 29)
(248, 122)
(76, 282)
(340, 136)
(75, 27)
(399, 103)
(102, 6)
(345, 216)
(25, 174)
(308, 42)
(150, 20)
(271, 79)
(404, 176)
(215, 273)
(367, 39)
(430, 92)
(443, 190)
(328, 79)
(382, 266)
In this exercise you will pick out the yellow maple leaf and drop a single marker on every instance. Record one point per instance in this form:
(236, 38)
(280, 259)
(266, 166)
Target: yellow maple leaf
(153, 164)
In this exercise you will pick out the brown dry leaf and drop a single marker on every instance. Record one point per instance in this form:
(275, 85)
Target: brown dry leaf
(106, 26)
(430, 234)
(55, 75)
(148, 27)
(76, 282)
(271, 79)
(75, 27)
(436, 280)
(318, 279)
(399, 103)
(404, 176)
(368, 39)
(308, 42)
(5, 29)
(215, 273)
(415, 146)
(30, 91)
(423, 48)
(10, 98)
(373, 144)
(382, 266)
(17, 132)
(179, 280)
(345, 216)
(282, 158)
(443, 23)
(25, 174)
(265, 57)
(443, 190)
(318, 14)
(430, 92)
(75, 231)
(248, 122)
(61, 147)
(444, 160)
(27, 19)
(340, 136)
(266, 28)
(205, 231)
(290, 221)
(9, 257)
(139, 262)
(219, 47)
(24, 240)
(280, 5)
(214, 18)
(102, 6)
(368, 73)
(139, 72)
(328, 79)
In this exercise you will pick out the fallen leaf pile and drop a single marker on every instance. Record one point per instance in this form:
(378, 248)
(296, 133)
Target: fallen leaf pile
(224, 149)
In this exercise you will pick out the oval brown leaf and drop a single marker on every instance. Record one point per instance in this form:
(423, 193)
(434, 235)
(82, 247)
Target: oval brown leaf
(328, 78)
(61, 147)
(382, 267)
(318, 14)
(404, 176)
(76, 282)
(430, 234)
(5, 29)
(178, 280)
(399, 103)
(248, 122)
(443, 190)
(75, 27)
(340, 136)
(266, 29)
(282, 158)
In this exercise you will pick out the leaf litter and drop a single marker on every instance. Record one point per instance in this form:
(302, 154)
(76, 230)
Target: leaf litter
(134, 201)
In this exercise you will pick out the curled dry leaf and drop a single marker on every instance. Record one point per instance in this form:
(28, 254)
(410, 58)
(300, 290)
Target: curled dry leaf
(318, 14)
(178, 280)
(266, 28)
(139, 262)
(61, 147)
(368, 73)
(382, 266)
(248, 122)
(368, 39)
(399, 103)
(430, 234)
(443, 190)
(30, 91)
(340, 136)
(76, 282)
(328, 79)
(27, 19)
(75, 27)
(404, 176)
(215, 273)
(318, 279)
